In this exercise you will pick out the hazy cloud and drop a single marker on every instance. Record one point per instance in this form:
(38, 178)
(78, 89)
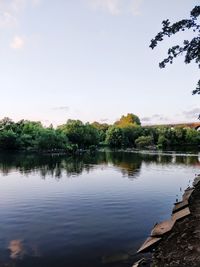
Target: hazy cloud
(146, 119)
(191, 114)
(10, 11)
(103, 120)
(135, 7)
(7, 19)
(61, 108)
(112, 6)
(155, 118)
(36, 2)
(116, 7)
(17, 43)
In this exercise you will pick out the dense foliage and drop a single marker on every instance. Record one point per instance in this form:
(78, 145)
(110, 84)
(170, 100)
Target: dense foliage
(128, 120)
(75, 135)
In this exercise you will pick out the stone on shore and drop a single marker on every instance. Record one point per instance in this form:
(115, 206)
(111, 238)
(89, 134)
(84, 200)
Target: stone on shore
(196, 180)
(181, 214)
(162, 228)
(138, 263)
(148, 244)
(180, 205)
(187, 194)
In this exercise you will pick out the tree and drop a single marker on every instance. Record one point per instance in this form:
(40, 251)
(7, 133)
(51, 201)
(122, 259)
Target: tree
(8, 140)
(128, 120)
(50, 139)
(102, 128)
(115, 137)
(131, 133)
(84, 135)
(162, 141)
(74, 130)
(190, 48)
(144, 141)
(90, 135)
(6, 124)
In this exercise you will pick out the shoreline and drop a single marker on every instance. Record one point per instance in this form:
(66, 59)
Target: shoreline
(180, 246)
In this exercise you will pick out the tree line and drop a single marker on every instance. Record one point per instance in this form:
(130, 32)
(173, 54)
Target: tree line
(75, 135)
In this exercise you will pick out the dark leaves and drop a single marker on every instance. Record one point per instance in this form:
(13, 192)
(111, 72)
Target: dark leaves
(197, 90)
(190, 48)
(195, 12)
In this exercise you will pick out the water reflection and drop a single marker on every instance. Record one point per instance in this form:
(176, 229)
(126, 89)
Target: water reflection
(58, 166)
(96, 220)
(16, 249)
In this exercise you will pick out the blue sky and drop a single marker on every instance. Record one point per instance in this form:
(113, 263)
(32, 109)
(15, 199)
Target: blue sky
(90, 59)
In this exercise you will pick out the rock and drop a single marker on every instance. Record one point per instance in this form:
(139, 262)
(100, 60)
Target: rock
(162, 228)
(196, 181)
(180, 205)
(187, 194)
(138, 263)
(183, 235)
(148, 244)
(181, 214)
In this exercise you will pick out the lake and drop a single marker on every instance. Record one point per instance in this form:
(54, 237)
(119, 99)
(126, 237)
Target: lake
(90, 210)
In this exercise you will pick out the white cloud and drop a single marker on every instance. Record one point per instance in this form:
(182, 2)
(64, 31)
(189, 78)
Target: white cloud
(135, 7)
(117, 7)
(191, 114)
(36, 2)
(112, 6)
(17, 43)
(104, 120)
(7, 20)
(61, 108)
(146, 119)
(10, 11)
(156, 119)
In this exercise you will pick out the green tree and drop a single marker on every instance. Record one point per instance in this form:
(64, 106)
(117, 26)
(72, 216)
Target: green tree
(144, 141)
(6, 124)
(131, 133)
(115, 137)
(192, 137)
(162, 141)
(128, 120)
(8, 140)
(49, 139)
(74, 130)
(90, 136)
(84, 135)
(102, 128)
(190, 48)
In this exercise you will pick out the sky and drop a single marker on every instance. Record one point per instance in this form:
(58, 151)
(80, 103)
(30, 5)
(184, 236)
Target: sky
(90, 60)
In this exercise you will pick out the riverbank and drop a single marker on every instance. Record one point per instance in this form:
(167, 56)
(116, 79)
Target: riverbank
(181, 246)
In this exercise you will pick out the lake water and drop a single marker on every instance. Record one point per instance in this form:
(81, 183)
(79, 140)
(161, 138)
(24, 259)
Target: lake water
(86, 211)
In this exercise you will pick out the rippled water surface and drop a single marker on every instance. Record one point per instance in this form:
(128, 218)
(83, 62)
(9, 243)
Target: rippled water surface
(90, 211)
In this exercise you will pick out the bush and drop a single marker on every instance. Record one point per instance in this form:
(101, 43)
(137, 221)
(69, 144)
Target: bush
(144, 141)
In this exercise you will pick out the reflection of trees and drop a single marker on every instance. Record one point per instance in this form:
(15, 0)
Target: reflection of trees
(163, 159)
(128, 163)
(52, 165)
(58, 165)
